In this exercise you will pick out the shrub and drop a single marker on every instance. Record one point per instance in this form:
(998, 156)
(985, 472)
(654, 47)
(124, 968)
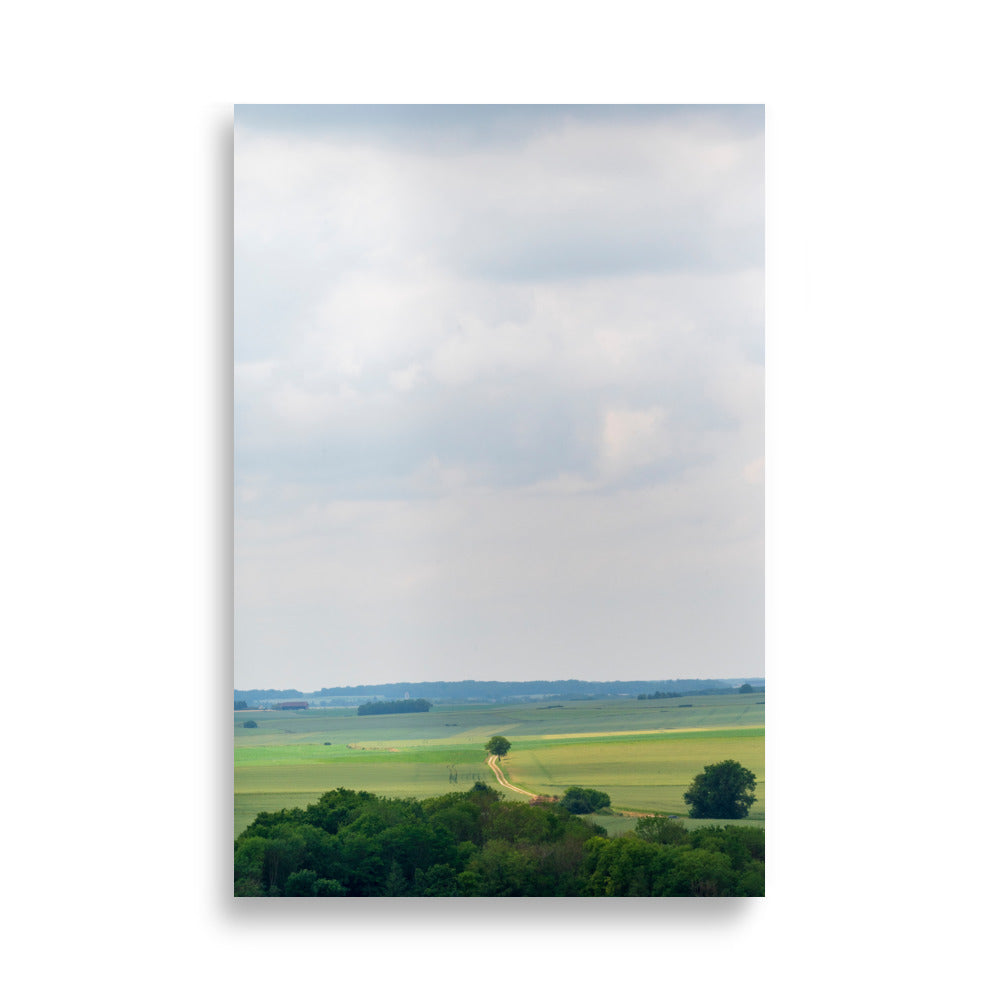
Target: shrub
(585, 800)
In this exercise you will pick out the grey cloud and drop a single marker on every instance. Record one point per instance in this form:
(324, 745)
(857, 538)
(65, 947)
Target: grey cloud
(607, 192)
(582, 249)
(498, 373)
(503, 432)
(451, 128)
(562, 221)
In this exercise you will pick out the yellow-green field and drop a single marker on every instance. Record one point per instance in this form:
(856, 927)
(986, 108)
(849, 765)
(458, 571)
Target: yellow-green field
(644, 754)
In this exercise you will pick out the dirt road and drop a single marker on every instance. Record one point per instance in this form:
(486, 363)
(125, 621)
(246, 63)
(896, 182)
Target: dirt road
(495, 767)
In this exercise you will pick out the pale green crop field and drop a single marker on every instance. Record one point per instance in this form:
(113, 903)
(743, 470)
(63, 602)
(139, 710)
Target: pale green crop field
(276, 777)
(640, 773)
(644, 754)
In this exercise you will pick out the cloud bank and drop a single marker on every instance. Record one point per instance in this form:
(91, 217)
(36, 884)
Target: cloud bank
(499, 393)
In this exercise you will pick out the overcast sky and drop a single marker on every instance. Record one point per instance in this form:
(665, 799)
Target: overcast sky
(498, 393)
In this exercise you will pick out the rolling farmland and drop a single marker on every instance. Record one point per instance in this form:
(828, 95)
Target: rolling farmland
(644, 754)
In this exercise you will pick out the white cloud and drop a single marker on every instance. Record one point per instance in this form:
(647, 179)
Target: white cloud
(753, 472)
(633, 438)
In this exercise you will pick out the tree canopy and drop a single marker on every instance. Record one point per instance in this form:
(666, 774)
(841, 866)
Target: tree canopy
(474, 843)
(499, 745)
(722, 791)
(660, 830)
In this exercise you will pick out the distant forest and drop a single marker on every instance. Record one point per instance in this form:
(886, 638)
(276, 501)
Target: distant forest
(496, 691)
(394, 707)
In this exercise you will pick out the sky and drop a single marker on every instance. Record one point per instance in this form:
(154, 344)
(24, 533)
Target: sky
(499, 393)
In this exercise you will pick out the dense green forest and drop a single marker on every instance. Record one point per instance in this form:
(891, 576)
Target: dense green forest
(475, 843)
(394, 707)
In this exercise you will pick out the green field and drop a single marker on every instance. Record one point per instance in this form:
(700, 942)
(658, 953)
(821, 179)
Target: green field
(644, 754)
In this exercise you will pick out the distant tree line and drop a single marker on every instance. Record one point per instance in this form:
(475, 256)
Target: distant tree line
(475, 843)
(487, 691)
(394, 707)
(687, 692)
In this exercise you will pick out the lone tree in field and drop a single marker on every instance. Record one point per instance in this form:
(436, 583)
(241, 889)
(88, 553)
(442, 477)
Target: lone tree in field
(498, 745)
(722, 791)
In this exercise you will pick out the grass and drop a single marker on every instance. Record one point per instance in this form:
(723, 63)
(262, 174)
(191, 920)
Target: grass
(643, 754)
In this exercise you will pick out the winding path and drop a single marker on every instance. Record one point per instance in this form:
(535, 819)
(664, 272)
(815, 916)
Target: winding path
(495, 767)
